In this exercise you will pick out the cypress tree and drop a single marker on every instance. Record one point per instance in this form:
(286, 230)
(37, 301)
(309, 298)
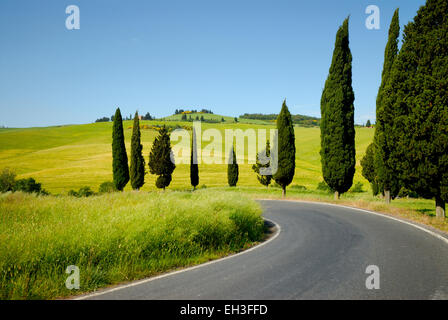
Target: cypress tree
(286, 149)
(417, 91)
(160, 159)
(386, 177)
(137, 167)
(194, 170)
(337, 124)
(368, 168)
(263, 179)
(232, 169)
(119, 156)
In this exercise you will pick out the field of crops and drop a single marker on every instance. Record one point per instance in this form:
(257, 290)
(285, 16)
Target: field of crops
(69, 157)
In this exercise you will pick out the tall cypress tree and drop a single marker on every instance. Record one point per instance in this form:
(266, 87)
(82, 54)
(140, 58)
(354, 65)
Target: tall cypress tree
(194, 170)
(417, 91)
(286, 148)
(232, 169)
(160, 159)
(119, 156)
(137, 167)
(337, 124)
(385, 175)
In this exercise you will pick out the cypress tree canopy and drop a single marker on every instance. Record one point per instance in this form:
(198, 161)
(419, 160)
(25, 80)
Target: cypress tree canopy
(263, 179)
(418, 92)
(119, 157)
(232, 169)
(160, 159)
(137, 167)
(337, 124)
(194, 170)
(368, 168)
(385, 116)
(286, 149)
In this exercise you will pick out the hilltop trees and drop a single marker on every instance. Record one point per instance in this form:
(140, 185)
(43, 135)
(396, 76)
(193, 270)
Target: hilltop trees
(137, 167)
(160, 162)
(337, 123)
(385, 117)
(232, 169)
(119, 156)
(194, 170)
(263, 179)
(286, 149)
(418, 93)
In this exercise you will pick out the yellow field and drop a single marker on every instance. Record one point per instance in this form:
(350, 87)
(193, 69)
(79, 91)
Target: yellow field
(69, 157)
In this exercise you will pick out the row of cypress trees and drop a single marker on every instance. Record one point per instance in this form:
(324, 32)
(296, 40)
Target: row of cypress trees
(410, 147)
(160, 156)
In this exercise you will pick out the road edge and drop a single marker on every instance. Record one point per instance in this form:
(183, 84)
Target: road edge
(100, 292)
(436, 233)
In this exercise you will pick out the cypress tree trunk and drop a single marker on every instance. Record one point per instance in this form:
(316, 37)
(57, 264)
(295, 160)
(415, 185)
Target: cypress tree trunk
(440, 207)
(283, 192)
(387, 196)
(336, 195)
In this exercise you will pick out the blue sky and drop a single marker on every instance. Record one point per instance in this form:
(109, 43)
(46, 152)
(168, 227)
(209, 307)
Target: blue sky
(231, 56)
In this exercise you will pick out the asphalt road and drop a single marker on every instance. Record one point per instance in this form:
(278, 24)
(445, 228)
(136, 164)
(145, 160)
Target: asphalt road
(321, 252)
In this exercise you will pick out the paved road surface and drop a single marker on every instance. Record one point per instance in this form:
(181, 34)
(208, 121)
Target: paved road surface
(321, 253)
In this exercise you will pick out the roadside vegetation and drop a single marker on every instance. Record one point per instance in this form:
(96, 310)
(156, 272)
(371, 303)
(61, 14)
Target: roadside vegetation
(116, 237)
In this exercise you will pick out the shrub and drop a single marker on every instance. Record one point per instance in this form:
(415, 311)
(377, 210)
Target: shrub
(404, 192)
(298, 187)
(107, 187)
(323, 186)
(82, 192)
(7, 180)
(28, 185)
(85, 192)
(72, 193)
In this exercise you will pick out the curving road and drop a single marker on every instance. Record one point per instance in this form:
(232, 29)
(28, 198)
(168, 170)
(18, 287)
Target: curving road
(321, 252)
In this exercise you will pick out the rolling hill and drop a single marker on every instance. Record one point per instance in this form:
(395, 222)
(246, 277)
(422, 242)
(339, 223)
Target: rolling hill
(69, 157)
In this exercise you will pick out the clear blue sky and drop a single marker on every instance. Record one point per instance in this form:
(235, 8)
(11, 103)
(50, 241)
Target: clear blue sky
(231, 56)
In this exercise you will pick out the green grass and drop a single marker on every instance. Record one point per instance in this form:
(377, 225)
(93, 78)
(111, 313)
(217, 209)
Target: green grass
(69, 157)
(116, 237)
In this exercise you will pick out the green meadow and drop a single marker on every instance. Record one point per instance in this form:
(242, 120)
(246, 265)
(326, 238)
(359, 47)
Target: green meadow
(116, 237)
(69, 157)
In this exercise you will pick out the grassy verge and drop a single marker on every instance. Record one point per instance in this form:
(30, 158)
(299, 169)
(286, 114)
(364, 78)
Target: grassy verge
(116, 237)
(417, 210)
